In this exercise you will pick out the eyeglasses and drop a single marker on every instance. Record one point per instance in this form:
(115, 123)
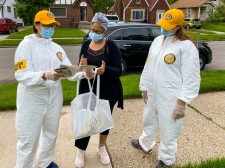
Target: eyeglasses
(96, 31)
(48, 26)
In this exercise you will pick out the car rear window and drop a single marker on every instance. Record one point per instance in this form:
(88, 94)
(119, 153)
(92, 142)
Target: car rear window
(1, 21)
(156, 31)
(112, 17)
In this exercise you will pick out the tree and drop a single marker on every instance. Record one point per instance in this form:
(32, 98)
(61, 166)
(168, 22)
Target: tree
(219, 14)
(26, 9)
(171, 1)
(102, 5)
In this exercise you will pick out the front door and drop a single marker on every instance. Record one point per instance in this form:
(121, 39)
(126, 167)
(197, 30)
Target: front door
(159, 15)
(83, 11)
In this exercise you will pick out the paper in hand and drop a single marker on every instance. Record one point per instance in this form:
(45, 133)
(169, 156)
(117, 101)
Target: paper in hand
(68, 70)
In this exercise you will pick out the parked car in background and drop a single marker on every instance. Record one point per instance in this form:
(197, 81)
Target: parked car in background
(8, 25)
(113, 19)
(135, 39)
(192, 23)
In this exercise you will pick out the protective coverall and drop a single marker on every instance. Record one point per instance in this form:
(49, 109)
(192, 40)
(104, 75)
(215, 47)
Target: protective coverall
(171, 73)
(39, 101)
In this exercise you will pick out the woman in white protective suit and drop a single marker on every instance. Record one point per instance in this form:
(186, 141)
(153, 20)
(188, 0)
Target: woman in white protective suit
(39, 93)
(170, 80)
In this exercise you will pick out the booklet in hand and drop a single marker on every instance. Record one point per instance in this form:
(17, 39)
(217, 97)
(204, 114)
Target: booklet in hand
(73, 69)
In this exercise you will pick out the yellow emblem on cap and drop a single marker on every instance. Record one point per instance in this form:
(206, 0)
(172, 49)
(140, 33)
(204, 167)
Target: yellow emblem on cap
(20, 65)
(168, 17)
(169, 58)
(59, 55)
(49, 14)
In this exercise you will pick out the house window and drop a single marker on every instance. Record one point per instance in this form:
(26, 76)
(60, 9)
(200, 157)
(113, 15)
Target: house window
(9, 9)
(137, 15)
(138, 1)
(15, 13)
(59, 12)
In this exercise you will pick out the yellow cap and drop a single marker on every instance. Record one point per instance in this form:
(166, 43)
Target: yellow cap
(171, 19)
(45, 17)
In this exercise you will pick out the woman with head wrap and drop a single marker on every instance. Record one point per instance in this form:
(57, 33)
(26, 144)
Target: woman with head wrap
(106, 56)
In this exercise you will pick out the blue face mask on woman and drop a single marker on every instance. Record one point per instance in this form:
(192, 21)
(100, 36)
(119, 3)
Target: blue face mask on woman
(166, 33)
(47, 32)
(95, 37)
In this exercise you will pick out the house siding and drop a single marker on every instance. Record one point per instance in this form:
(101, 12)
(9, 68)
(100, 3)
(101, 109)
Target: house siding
(162, 5)
(10, 15)
(132, 6)
(73, 14)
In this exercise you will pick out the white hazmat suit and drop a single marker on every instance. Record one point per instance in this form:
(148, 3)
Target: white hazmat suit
(171, 73)
(39, 101)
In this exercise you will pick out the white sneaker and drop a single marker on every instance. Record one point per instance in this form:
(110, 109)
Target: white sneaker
(103, 155)
(79, 161)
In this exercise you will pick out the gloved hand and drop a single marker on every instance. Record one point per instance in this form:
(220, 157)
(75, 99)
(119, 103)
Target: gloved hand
(144, 95)
(89, 74)
(179, 112)
(52, 75)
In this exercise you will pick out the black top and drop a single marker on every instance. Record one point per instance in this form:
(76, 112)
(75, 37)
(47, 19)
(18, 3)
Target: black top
(110, 85)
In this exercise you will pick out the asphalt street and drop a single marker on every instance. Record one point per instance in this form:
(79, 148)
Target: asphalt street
(7, 59)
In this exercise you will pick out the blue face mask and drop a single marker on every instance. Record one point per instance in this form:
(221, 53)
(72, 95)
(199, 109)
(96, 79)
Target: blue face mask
(166, 33)
(47, 32)
(95, 37)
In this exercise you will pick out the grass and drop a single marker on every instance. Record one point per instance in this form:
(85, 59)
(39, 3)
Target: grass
(211, 81)
(69, 36)
(204, 35)
(216, 163)
(214, 26)
(58, 41)
(59, 33)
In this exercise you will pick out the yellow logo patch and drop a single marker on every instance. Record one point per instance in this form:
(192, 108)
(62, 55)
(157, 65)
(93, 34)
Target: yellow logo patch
(169, 58)
(146, 60)
(20, 65)
(168, 17)
(49, 14)
(59, 55)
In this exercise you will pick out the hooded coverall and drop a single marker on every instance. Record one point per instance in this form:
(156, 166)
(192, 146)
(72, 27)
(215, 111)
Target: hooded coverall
(39, 101)
(171, 72)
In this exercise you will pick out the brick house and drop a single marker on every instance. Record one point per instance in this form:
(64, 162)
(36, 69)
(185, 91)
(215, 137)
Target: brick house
(150, 11)
(73, 13)
(197, 9)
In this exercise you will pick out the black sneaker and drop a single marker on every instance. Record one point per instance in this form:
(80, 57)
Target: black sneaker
(160, 164)
(52, 165)
(135, 143)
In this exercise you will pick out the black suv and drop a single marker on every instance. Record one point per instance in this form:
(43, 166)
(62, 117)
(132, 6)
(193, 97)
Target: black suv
(134, 40)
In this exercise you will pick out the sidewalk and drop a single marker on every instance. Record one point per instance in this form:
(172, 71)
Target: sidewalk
(202, 137)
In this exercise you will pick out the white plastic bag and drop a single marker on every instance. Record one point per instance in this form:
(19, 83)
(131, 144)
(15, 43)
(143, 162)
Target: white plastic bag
(90, 115)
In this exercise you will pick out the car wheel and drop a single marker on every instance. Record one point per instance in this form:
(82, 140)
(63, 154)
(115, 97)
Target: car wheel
(17, 29)
(202, 62)
(198, 27)
(10, 31)
(188, 27)
(124, 66)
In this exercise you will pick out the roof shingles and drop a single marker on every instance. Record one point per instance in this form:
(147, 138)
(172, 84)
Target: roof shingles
(188, 3)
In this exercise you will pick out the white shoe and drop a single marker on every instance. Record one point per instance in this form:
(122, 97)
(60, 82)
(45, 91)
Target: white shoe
(79, 161)
(103, 155)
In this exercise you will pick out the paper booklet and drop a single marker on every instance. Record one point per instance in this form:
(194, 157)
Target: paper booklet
(71, 70)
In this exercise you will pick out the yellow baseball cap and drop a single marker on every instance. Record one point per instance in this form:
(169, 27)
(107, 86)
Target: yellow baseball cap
(45, 17)
(171, 19)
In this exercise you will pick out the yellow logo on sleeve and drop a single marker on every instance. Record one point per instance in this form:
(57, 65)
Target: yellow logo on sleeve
(169, 58)
(20, 65)
(59, 55)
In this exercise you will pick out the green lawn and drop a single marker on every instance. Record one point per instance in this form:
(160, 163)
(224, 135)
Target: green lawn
(215, 26)
(59, 33)
(210, 81)
(217, 163)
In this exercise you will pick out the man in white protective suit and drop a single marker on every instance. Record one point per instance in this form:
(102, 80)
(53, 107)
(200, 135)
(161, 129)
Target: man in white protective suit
(39, 93)
(170, 80)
